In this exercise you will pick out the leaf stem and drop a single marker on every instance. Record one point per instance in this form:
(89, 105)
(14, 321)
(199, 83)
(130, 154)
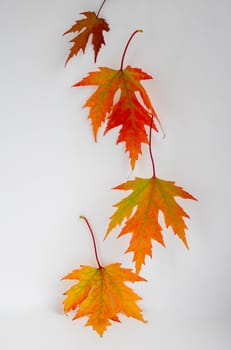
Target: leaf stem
(150, 149)
(100, 8)
(126, 47)
(93, 239)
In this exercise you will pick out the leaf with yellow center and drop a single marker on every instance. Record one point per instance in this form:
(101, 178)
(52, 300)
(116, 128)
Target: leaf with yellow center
(101, 294)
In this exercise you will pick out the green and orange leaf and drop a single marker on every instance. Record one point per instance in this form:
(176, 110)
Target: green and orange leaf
(140, 210)
(132, 110)
(91, 25)
(101, 294)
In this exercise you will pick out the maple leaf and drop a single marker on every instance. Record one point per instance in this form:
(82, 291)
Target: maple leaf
(133, 110)
(101, 294)
(141, 210)
(90, 25)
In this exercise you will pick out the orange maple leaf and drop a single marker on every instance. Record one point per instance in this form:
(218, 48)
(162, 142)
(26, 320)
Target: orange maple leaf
(132, 111)
(90, 25)
(101, 294)
(141, 210)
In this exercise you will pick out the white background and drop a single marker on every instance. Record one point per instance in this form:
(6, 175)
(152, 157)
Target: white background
(52, 172)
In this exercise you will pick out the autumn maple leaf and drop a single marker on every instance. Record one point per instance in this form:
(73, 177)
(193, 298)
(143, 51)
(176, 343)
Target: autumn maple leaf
(101, 294)
(90, 25)
(132, 111)
(141, 210)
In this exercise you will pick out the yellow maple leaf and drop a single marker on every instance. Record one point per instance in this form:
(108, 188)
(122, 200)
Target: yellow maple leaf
(101, 294)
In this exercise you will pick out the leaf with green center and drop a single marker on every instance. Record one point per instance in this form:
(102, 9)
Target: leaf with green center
(140, 210)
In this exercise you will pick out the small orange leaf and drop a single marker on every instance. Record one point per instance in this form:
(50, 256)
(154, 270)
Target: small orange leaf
(101, 294)
(131, 112)
(141, 210)
(90, 25)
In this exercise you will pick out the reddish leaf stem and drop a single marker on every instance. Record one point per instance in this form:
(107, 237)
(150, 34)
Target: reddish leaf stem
(93, 239)
(150, 149)
(126, 47)
(100, 8)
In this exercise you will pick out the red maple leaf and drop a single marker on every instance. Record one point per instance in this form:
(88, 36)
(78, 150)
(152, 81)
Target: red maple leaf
(132, 112)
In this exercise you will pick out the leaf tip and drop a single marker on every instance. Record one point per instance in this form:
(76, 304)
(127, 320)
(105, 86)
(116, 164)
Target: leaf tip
(106, 234)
